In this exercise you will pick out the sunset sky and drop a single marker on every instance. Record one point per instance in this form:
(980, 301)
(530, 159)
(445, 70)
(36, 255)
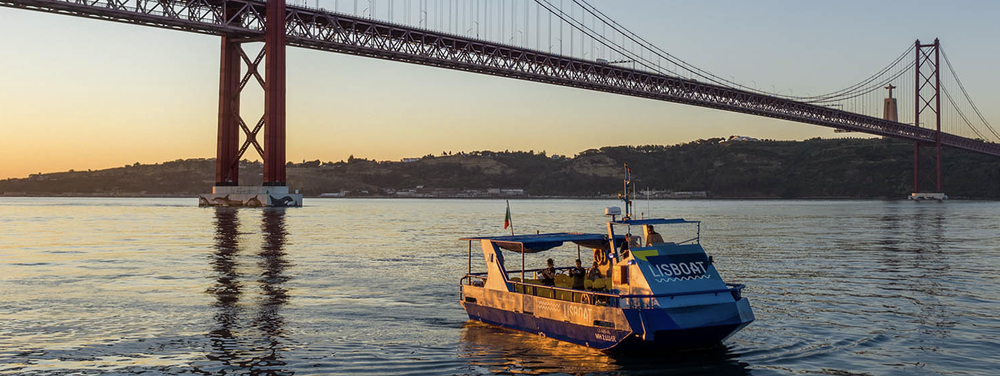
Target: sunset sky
(84, 94)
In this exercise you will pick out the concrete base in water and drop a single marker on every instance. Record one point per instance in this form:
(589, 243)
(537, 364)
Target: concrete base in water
(939, 196)
(250, 196)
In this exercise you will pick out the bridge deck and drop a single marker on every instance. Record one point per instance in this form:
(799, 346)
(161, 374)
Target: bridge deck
(323, 30)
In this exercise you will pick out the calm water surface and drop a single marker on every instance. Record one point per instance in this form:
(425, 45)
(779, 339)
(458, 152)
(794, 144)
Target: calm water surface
(159, 286)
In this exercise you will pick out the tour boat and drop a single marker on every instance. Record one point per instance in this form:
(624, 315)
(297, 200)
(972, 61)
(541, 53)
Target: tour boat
(652, 296)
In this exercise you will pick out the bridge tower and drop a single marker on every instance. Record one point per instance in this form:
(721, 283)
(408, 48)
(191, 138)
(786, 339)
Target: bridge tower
(273, 191)
(927, 99)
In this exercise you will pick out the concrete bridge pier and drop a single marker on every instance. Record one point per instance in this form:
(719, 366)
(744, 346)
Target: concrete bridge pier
(273, 191)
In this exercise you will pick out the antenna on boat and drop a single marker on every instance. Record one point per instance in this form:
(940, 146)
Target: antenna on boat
(633, 189)
(649, 213)
(624, 196)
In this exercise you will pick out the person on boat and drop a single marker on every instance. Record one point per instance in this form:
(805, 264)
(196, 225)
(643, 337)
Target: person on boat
(634, 241)
(578, 273)
(594, 273)
(549, 274)
(626, 245)
(652, 236)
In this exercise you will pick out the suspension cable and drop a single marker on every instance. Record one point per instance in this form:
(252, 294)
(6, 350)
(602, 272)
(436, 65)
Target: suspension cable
(966, 93)
(691, 68)
(959, 111)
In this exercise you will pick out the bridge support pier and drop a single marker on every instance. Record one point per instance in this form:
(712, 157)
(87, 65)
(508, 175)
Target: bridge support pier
(273, 191)
(928, 97)
(274, 94)
(227, 168)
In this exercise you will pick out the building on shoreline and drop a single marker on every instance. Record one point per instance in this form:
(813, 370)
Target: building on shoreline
(424, 192)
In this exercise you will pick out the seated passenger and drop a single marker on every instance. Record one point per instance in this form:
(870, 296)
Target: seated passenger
(652, 236)
(578, 273)
(549, 274)
(594, 273)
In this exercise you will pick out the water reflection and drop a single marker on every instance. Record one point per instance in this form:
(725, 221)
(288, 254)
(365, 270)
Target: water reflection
(490, 349)
(933, 268)
(249, 330)
(916, 268)
(272, 279)
(838, 288)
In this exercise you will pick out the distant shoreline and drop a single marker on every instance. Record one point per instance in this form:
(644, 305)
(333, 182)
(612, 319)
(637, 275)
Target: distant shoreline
(815, 169)
(638, 199)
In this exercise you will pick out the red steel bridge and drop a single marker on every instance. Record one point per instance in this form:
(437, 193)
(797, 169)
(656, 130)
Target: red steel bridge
(495, 38)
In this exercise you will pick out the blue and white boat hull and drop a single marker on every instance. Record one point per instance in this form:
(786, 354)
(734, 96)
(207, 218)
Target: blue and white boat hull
(597, 337)
(609, 328)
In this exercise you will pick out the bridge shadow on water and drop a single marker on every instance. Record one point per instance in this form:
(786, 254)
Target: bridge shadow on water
(249, 334)
(490, 349)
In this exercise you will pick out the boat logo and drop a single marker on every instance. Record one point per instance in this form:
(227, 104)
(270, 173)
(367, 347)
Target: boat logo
(678, 268)
(665, 280)
(563, 309)
(579, 312)
(545, 305)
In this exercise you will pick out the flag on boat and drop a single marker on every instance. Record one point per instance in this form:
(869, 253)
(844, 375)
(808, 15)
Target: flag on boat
(506, 218)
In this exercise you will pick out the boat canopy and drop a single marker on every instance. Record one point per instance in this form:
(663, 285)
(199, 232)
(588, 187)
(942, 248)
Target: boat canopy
(534, 243)
(653, 221)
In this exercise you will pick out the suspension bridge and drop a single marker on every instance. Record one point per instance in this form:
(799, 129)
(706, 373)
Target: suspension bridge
(560, 42)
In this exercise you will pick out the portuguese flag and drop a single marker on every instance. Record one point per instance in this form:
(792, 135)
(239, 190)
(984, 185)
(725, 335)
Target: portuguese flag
(506, 218)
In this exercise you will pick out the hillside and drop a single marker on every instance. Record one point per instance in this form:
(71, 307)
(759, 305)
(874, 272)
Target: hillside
(849, 168)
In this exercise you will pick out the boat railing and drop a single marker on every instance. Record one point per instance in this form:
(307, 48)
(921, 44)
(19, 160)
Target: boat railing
(696, 239)
(598, 297)
(552, 292)
(517, 273)
(649, 300)
(567, 294)
(474, 279)
(730, 288)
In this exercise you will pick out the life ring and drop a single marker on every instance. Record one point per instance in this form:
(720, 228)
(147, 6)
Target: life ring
(600, 257)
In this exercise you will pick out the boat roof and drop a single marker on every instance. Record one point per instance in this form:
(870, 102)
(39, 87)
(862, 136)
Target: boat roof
(533, 243)
(653, 221)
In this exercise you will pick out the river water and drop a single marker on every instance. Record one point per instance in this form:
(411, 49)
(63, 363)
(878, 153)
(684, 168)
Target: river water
(343, 286)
